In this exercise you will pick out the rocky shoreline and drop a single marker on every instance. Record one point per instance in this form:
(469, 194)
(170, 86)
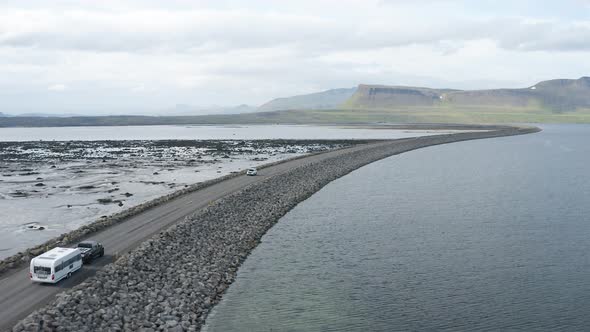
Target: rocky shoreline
(171, 281)
(125, 158)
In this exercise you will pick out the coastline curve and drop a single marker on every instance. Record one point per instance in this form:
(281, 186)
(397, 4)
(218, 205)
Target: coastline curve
(173, 279)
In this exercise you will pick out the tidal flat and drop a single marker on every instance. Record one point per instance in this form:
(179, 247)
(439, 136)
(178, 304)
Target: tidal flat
(48, 188)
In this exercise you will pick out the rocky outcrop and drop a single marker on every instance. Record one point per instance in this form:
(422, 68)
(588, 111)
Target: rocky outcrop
(171, 281)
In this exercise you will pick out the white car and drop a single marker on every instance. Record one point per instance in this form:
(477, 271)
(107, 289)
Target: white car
(251, 171)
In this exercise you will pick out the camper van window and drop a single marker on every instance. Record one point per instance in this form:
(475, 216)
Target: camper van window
(42, 269)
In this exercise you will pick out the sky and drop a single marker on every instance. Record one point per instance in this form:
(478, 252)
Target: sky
(132, 57)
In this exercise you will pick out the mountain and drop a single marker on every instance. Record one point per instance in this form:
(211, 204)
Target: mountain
(47, 115)
(382, 96)
(42, 115)
(188, 110)
(320, 100)
(553, 101)
(560, 95)
(243, 108)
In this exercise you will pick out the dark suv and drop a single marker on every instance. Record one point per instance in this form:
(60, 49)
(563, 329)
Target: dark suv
(90, 250)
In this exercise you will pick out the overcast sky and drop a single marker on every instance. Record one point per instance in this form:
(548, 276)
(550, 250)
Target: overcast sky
(113, 56)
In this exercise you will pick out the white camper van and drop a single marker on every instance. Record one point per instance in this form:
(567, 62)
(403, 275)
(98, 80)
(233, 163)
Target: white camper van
(56, 264)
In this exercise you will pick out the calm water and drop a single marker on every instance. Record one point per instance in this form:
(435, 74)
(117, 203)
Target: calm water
(482, 235)
(202, 132)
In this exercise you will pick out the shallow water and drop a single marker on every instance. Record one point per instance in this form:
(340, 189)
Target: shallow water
(202, 132)
(481, 235)
(62, 186)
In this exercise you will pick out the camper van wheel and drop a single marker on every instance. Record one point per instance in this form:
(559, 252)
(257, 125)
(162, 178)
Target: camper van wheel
(69, 275)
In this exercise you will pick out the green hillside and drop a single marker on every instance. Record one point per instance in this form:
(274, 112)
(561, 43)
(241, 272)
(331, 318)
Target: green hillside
(554, 101)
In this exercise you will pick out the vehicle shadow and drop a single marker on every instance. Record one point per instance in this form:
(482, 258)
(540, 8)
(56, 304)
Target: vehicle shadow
(88, 270)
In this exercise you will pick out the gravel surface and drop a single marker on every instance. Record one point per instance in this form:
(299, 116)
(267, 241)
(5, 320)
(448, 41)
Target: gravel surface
(171, 282)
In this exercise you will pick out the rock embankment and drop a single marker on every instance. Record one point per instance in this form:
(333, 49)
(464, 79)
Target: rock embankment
(171, 281)
(124, 157)
(22, 258)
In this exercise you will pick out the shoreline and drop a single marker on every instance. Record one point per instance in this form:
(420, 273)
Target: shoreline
(186, 268)
(22, 258)
(62, 186)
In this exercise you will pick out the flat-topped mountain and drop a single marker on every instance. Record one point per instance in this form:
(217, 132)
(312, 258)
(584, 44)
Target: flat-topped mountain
(375, 96)
(555, 95)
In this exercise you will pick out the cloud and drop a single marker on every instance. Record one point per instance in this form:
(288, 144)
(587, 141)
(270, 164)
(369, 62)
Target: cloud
(57, 87)
(159, 53)
(214, 30)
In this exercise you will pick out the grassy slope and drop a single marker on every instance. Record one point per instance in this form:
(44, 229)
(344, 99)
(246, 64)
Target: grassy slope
(457, 114)
(467, 115)
(556, 101)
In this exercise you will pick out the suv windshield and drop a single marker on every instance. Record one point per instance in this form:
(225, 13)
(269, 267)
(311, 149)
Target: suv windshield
(84, 245)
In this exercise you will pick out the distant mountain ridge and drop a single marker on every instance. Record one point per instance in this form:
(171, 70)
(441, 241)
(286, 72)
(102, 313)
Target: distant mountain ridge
(319, 100)
(188, 110)
(559, 95)
(552, 101)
